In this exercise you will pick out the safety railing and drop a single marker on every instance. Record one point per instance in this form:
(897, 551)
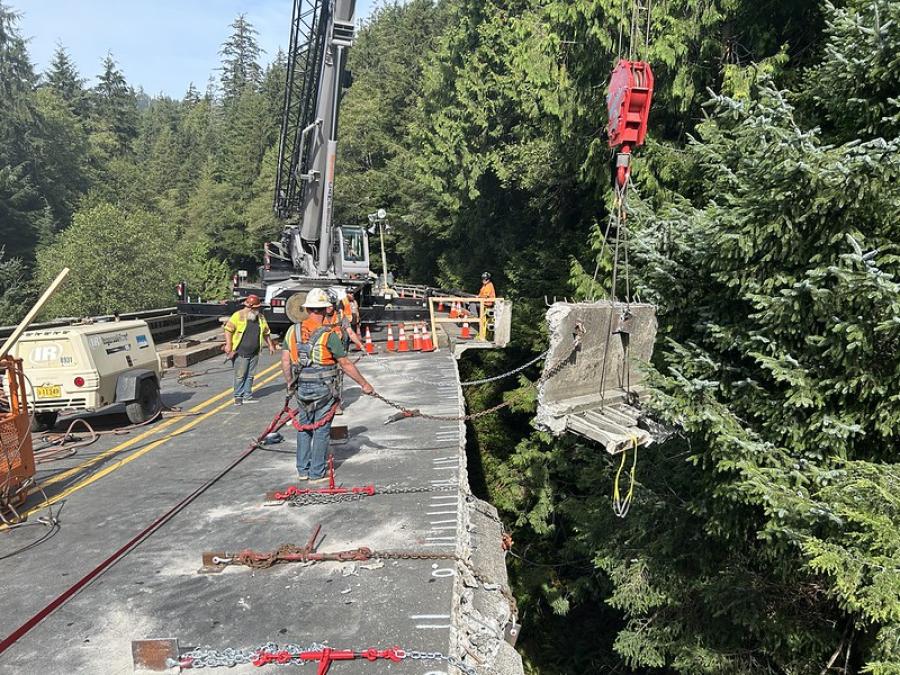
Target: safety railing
(492, 316)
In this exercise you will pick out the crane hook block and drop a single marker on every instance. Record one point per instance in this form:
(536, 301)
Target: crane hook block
(628, 103)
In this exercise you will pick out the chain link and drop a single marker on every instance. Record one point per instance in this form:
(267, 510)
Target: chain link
(437, 656)
(414, 555)
(315, 498)
(510, 373)
(206, 657)
(550, 372)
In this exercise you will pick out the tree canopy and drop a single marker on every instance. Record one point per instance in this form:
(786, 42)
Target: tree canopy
(763, 215)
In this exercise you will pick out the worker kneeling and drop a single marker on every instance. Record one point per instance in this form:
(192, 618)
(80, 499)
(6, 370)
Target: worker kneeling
(310, 361)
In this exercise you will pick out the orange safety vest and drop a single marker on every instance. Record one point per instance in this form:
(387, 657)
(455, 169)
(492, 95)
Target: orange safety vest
(320, 354)
(487, 291)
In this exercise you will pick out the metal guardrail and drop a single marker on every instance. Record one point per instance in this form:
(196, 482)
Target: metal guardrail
(164, 322)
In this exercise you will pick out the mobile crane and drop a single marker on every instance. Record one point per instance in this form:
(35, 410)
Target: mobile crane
(312, 250)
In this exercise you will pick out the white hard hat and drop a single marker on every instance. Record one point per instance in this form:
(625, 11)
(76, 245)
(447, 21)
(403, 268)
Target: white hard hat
(317, 299)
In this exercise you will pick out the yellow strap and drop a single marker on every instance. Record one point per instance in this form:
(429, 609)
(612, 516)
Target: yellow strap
(621, 506)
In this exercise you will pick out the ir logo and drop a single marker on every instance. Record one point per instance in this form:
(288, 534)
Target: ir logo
(45, 353)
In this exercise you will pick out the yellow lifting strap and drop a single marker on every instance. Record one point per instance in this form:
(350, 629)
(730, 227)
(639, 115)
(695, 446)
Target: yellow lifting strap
(621, 506)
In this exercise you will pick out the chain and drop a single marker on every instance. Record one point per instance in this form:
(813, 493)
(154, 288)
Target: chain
(414, 555)
(515, 371)
(437, 656)
(206, 657)
(550, 372)
(471, 383)
(308, 499)
(398, 490)
(316, 498)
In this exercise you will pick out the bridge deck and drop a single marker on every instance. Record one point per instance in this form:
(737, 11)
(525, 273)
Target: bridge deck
(114, 488)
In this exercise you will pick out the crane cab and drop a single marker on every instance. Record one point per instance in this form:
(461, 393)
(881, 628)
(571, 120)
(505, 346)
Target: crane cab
(351, 252)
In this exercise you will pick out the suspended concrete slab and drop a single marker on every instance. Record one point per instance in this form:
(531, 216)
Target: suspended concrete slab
(596, 393)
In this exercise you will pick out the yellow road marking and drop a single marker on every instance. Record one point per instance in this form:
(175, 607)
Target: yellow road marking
(143, 451)
(165, 424)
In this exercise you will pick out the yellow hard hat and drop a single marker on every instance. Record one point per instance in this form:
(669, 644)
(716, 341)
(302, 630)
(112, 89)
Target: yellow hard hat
(317, 299)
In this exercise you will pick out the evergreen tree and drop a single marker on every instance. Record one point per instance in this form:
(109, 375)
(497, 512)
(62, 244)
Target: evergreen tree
(25, 218)
(13, 290)
(115, 110)
(63, 79)
(17, 81)
(61, 154)
(240, 60)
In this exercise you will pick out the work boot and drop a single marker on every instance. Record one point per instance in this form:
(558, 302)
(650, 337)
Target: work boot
(238, 401)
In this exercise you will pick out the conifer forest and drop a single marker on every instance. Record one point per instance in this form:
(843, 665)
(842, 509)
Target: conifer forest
(764, 535)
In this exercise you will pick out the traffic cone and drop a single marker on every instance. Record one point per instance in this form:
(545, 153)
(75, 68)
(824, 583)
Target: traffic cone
(466, 333)
(370, 347)
(427, 342)
(391, 346)
(453, 311)
(404, 345)
(441, 306)
(417, 339)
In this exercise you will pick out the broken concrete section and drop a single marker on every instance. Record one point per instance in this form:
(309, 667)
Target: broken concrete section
(595, 392)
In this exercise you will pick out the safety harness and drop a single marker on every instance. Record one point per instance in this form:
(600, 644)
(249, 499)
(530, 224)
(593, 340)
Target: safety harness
(308, 367)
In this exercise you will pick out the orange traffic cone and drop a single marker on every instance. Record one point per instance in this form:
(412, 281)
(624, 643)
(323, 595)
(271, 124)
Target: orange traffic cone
(370, 346)
(441, 306)
(417, 339)
(427, 342)
(453, 311)
(391, 346)
(466, 333)
(404, 345)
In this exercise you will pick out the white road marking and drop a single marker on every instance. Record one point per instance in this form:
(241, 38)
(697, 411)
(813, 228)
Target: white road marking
(431, 625)
(440, 513)
(442, 522)
(429, 616)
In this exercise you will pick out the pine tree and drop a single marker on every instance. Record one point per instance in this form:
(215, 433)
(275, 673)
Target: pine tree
(191, 96)
(240, 60)
(13, 289)
(115, 107)
(17, 81)
(63, 79)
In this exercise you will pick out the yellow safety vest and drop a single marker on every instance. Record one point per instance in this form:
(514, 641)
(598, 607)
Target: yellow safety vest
(240, 325)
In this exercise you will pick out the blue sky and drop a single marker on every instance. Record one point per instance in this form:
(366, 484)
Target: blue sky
(162, 45)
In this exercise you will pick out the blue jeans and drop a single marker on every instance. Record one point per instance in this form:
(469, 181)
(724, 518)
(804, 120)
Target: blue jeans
(244, 370)
(312, 446)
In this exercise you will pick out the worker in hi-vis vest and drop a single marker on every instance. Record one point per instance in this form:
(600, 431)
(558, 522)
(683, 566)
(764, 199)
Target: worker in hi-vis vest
(245, 334)
(310, 360)
(487, 292)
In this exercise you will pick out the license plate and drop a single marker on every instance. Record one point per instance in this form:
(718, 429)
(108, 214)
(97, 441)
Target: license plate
(50, 391)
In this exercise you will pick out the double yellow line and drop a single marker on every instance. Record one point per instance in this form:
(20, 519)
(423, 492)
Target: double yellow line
(194, 421)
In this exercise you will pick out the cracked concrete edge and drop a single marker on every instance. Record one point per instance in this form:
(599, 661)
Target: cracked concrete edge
(480, 608)
(544, 419)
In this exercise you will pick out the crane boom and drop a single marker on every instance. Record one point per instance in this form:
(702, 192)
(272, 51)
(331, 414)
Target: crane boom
(321, 33)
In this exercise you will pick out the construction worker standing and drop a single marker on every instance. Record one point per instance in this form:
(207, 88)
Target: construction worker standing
(338, 315)
(312, 355)
(487, 291)
(487, 288)
(245, 333)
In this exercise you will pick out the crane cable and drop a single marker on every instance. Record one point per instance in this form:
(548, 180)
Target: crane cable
(618, 221)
